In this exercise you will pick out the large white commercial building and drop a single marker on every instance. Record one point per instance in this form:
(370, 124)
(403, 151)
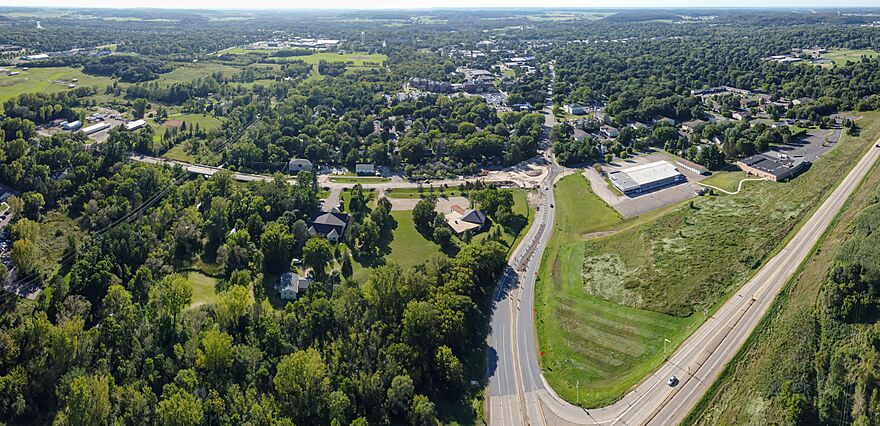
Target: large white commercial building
(646, 177)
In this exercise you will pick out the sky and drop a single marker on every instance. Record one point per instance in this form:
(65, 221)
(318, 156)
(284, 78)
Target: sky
(426, 4)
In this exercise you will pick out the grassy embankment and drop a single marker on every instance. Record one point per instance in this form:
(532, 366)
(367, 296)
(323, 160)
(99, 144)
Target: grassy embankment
(782, 348)
(604, 306)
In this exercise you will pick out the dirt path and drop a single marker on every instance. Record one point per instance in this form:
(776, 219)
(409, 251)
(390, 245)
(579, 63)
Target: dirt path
(738, 187)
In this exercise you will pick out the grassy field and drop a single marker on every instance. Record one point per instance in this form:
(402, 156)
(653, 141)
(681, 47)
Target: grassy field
(779, 350)
(55, 227)
(426, 192)
(725, 180)
(839, 57)
(605, 305)
(46, 80)
(605, 346)
(186, 72)
(204, 288)
(205, 122)
(408, 248)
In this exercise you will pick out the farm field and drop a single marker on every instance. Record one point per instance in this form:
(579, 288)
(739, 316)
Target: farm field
(46, 80)
(604, 305)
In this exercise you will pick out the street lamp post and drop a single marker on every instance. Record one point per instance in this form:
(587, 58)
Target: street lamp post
(665, 341)
(578, 391)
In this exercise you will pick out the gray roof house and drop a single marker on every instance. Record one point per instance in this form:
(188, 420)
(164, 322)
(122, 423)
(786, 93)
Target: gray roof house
(364, 169)
(290, 285)
(330, 225)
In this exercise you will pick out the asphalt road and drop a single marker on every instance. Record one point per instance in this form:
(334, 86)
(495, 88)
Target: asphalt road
(518, 393)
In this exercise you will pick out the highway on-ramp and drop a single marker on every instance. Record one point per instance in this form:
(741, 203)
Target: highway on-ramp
(518, 393)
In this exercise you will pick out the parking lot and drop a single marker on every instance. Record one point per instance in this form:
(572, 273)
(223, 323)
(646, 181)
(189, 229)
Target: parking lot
(811, 146)
(631, 206)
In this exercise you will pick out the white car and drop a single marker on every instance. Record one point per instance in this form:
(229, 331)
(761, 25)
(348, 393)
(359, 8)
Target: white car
(672, 381)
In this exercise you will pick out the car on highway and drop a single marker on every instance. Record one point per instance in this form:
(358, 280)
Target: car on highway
(672, 381)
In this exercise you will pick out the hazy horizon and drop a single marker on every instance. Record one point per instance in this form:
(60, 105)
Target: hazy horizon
(451, 4)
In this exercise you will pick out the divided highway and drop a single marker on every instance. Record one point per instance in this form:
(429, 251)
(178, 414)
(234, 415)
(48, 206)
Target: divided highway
(518, 393)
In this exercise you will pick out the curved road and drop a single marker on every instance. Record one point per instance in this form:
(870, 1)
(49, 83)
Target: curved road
(518, 393)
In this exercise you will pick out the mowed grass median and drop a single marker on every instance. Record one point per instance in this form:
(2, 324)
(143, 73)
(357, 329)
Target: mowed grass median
(610, 291)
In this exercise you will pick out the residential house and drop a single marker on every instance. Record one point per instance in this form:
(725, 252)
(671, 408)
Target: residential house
(461, 220)
(575, 109)
(691, 126)
(741, 115)
(296, 165)
(330, 225)
(290, 285)
(364, 169)
(747, 103)
(609, 131)
(662, 119)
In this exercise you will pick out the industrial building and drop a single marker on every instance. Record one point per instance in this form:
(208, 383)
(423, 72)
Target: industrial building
(772, 165)
(71, 125)
(134, 125)
(646, 177)
(95, 128)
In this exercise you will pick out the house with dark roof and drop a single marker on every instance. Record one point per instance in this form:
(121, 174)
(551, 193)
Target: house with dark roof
(461, 220)
(330, 225)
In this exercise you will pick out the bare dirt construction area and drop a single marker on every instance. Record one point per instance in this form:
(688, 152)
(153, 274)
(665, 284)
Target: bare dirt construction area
(631, 206)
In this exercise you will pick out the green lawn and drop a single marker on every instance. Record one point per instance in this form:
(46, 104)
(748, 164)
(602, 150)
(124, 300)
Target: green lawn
(204, 288)
(355, 179)
(186, 72)
(180, 152)
(408, 248)
(426, 192)
(46, 80)
(511, 236)
(205, 121)
(726, 180)
(604, 305)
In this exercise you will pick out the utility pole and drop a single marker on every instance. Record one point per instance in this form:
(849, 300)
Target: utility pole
(665, 341)
(578, 390)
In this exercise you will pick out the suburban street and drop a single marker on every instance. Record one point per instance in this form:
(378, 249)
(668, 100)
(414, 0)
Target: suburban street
(518, 393)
